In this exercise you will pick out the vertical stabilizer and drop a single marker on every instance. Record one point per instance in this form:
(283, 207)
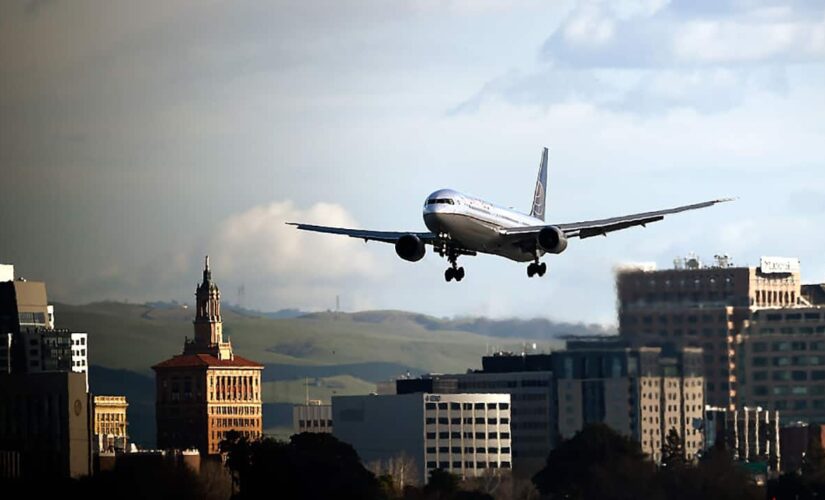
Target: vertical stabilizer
(540, 194)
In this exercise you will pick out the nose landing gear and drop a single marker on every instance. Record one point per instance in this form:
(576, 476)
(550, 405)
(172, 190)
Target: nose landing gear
(453, 272)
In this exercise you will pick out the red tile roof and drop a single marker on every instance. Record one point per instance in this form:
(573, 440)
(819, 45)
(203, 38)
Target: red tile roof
(206, 361)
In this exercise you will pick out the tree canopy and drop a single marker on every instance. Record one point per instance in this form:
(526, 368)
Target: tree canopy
(310, 466)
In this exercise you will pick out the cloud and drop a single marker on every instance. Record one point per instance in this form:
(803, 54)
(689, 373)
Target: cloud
(282, 266)
(649, 57)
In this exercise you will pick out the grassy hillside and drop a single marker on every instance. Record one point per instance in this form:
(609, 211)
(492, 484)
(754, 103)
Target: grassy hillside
(134, 337)
(337, 353)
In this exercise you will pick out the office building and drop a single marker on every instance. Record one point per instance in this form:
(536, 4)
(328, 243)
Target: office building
(207, 390)
(529, 382)
(312, 417)
(29, 343)
(693, 305)
(783, 362)
(641, 392)
(465, 434)
(110, 423)
(45, 424)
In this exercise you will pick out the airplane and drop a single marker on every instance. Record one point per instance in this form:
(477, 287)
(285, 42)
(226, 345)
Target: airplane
(460, 224)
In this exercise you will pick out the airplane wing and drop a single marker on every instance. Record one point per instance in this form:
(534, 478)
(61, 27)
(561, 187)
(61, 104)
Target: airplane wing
(383, 236)
(587, 229)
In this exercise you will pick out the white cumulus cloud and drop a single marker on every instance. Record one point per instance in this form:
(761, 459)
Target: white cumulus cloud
(259, 241)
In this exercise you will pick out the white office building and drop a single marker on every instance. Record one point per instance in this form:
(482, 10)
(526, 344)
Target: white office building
(465, 434)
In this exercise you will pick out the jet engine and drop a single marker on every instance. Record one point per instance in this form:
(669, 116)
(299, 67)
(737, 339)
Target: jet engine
(410, 247)
(552, 240)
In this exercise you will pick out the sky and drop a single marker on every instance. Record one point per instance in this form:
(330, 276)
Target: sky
(137, 137)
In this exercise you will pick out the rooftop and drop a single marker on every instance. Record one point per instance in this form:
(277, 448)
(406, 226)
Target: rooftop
(206, 361)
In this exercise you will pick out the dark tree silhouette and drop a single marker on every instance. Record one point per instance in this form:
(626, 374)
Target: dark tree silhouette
(310, 466)
(596, 463)
(441, 485)
(673, 452)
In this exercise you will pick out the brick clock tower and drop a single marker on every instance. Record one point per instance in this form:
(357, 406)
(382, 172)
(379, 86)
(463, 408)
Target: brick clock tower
(207, 390)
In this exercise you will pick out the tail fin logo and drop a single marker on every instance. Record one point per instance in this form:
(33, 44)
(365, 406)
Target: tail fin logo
(540, 193)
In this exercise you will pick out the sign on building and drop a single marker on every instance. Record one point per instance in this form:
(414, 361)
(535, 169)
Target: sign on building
(779, 265)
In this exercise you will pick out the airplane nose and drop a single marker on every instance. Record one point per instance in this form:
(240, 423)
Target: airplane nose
(434, 221)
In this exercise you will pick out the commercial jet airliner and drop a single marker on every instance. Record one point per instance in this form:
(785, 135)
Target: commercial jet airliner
(460, 224)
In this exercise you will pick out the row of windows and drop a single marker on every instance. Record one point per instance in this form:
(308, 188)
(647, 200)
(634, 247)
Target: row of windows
(810, 316)
(789, 360)
(467, 420)
(467, 449)
(786, 375)
(467, 435)
(468, 465)
(235, 422)
(467, 406)
(696, 282)
(234, 410)
(782, 390)
(789, 346)
(110, 417)
(315, 423)
(789, 330)
(678, 319)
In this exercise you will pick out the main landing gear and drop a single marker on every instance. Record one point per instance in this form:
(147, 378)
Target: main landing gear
(536, 269)
(453, 272)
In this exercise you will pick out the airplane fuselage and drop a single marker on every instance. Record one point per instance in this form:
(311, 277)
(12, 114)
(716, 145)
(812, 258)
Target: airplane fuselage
(475, 224)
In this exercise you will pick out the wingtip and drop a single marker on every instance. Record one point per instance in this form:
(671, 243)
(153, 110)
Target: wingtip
(725, 200)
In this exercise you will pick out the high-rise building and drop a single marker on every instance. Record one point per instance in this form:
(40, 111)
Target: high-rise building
(704, 306)
(45, 422)
(207, 390)
(641, 392)
(783, 362)
(110, 423)
(466, 434)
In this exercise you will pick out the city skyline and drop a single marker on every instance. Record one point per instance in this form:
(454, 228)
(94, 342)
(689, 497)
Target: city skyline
(136, 145)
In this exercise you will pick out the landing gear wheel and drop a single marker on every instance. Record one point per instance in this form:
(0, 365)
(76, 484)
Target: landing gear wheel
(531, 270)
(459, 274)
(542, 268)
(449, 274)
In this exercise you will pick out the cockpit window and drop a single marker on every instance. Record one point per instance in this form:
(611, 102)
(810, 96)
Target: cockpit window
(440, 201)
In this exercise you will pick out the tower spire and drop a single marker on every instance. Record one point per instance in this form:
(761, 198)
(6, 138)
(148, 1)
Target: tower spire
(207, 273)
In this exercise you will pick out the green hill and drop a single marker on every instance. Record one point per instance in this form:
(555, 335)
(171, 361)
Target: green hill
(337, 353)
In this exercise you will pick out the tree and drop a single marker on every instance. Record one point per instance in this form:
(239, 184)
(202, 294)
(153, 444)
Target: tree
(309, 466)
(596, 463)
(673, 452)
(442, 485)
(400, 469)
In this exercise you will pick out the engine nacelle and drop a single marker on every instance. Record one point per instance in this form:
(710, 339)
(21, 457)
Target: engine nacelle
(552, 240)
(410, 247)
